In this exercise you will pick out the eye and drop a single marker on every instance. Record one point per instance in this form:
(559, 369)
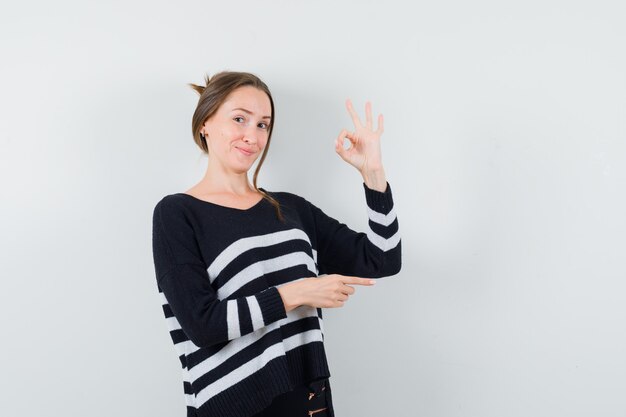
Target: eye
(238, 117)
(263, 125)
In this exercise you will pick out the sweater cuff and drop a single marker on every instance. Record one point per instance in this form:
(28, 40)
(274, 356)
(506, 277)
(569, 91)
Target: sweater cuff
(272, 305)
(381, 202)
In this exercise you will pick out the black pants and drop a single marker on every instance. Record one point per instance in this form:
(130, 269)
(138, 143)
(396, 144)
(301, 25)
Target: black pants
(310, 400)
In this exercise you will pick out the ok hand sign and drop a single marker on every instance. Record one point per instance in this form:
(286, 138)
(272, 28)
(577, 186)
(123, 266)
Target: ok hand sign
(364, 151)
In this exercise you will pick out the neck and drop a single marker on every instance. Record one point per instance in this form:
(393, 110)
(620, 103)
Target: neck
(219, 180)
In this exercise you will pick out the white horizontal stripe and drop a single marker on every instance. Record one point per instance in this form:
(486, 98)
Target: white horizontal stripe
(237, 345)
(242, 245)
(380, 218)
(300, 339)
(232, 319)
(172, 323)
(263, 267)
(255, 312)
(381, 242)
(252, 366)
(181, 348)
(186, 346)
(162, 298)
(240, 373)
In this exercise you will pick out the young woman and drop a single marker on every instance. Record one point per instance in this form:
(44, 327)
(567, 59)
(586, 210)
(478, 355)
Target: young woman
(243, 273)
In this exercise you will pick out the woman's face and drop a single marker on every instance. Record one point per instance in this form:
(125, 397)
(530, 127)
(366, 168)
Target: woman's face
(237, 133)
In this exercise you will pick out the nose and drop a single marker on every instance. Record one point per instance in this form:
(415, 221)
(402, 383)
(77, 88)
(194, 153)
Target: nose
(249, 135)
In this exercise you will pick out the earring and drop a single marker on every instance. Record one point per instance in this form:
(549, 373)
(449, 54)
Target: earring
(202, 136)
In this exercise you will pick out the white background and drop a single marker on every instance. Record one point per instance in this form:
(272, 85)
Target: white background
(504, 145)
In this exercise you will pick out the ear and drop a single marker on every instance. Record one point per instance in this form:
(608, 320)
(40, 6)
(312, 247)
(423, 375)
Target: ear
(204, 125)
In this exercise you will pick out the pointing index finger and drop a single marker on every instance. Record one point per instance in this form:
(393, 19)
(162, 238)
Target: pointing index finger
(360, 281)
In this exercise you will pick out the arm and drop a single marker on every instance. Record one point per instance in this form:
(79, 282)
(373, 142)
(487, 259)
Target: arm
(341, 250)
(183, 278)
(374, 254)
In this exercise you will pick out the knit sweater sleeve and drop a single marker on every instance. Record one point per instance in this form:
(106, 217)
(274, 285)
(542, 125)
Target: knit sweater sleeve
(182, 277)
(375, 253)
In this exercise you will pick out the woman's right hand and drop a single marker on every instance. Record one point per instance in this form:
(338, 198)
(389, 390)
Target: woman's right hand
(325, 291)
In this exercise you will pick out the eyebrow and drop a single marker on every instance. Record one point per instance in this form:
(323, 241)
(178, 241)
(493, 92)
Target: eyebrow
(249, 112)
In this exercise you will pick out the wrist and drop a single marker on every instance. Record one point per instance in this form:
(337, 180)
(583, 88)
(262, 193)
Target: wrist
(375, 179)
(291, 297)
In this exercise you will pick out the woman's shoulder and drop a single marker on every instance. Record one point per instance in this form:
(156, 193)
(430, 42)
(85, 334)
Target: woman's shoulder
(169, 200)
(286, 197)
(170, 204)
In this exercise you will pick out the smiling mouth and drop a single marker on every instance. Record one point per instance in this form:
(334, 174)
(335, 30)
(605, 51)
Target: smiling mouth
(245, 152)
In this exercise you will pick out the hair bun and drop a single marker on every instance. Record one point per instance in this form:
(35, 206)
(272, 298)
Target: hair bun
(198, 88)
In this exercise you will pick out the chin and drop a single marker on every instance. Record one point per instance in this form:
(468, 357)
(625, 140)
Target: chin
(241, 169)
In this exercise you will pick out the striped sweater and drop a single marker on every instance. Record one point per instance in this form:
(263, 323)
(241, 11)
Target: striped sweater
(217, 271)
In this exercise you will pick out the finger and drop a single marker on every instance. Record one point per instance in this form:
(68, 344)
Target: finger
(359, 281)
(348, 289)
(380, 129)
(341, 136)
(353, 114)
(344, 134)
(339, 142)
(353, 138)
(368, 115)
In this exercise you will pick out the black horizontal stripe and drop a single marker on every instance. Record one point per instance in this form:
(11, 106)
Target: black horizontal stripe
(245, 355)
(248, 353)
(384, 231)
(167, 311)
(194, 358)
(300, 326)
(178, 336)
(260, 254)
(273, 279)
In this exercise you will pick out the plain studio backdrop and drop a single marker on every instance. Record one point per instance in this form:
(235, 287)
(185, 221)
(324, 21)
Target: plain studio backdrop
(504, 144)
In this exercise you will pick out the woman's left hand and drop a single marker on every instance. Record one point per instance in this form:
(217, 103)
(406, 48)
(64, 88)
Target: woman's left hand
(364, 151)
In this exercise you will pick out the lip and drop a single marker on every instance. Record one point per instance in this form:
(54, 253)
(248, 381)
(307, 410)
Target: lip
(245, 152)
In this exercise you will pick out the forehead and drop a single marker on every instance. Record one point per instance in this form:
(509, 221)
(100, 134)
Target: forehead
(249, 98)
